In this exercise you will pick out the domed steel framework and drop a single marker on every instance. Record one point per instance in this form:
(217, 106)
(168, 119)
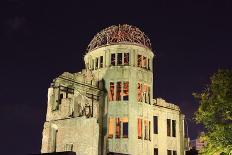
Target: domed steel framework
(119, 34)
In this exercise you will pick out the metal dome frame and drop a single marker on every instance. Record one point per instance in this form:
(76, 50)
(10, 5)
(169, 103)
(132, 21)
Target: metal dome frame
(119, 34)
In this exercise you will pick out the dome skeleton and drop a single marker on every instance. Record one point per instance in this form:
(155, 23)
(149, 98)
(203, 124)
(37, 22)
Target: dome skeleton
(119, 34)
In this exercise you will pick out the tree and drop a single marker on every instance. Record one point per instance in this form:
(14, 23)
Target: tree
(215, 113)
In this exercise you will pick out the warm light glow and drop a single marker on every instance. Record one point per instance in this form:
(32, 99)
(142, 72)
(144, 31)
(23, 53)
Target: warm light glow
(111, 128)
(119, 91)
(118, 128)
(111, 92)
(125, 91)
(140, 128)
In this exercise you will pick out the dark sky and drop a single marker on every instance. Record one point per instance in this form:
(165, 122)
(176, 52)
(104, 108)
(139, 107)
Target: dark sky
(39, 40)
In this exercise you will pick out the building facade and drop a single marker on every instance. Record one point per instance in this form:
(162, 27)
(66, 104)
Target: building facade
(108, 107)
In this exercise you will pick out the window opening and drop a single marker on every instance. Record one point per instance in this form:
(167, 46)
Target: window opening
(101, 61)
(140, 128)
(149, 130)
(155, 124)
(125, 127)
(174, 153)
(155, 151)
(148, 64)
(144, 62)
(119, 89)
(119, 59)
(125, 91)
(146, 130)
(168, 127)
(173, 128)
(118, 128)
(96, 63)
(111, 128)
(126, 59)
(149, 95)
(92, 63)
(169, 152)
(145, 93)
(139, 61)
(113, 59)
(139, 91)
(111, 92)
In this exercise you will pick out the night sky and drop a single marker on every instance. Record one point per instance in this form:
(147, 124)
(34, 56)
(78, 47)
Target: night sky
(40, 40)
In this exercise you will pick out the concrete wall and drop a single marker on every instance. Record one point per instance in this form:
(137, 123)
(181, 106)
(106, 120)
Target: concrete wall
(82, 133)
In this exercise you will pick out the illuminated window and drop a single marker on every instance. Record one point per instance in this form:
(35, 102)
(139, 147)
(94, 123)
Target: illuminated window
(96, 63)
(146, 134)
(125, 127)
(139, 91)
(173, 128)
(155, 124)
(168, 127)
(119, 59)
(118, 128)
(101, 61)
(111, 128)
(125, 91)
(126, 59)
(140, 123)
(111, 92)
(169, 152)
(155, 151)
(144, 62)
(119, 90)
(139, 61)
(113, 59)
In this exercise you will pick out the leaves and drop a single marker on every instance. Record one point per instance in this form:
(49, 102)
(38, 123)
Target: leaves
(215, 112)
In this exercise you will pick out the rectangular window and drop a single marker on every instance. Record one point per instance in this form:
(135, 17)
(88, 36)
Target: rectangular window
(101, 61)
(126, 59)
(155, 124)
(139, 91)
(139, 61)
(169, 152)
(119, 59)
(119, 90)
(111, 92)
(140, 128)
(111, 128)
(173, 128)
(155, 151)
(149, 95)
(118, 128)
(145, 90)
(149, 130)
(146, 130)
(125, 91)
(125, 127)
(113, 59)
(168, 127)
(148, 64)
(144, 62)
(174, 153)
(96, 63)
(92, 63)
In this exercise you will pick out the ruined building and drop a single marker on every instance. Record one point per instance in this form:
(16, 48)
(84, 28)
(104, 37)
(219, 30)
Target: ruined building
(108, 107)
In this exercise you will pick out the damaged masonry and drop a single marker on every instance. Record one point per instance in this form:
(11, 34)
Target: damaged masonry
(108, 107)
